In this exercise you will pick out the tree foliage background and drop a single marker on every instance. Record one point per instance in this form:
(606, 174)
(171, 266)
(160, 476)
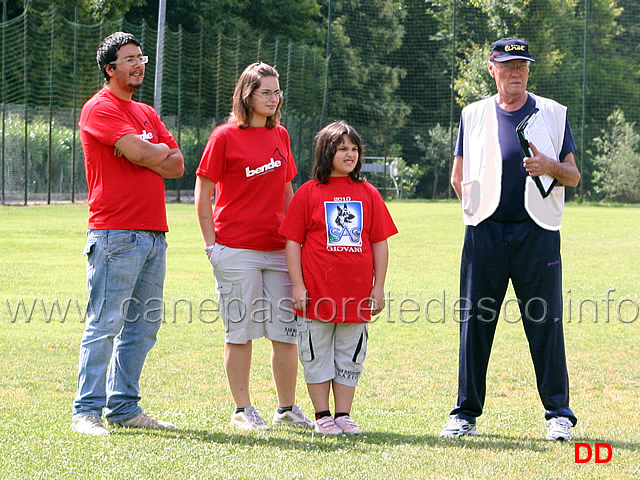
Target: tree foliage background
(399, 70)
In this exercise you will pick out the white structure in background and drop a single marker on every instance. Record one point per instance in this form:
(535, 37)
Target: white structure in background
(384, 167)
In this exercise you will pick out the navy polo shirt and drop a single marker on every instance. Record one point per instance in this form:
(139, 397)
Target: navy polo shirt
(511, 206)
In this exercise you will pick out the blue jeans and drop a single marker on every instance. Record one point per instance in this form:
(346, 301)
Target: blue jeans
(125, 279)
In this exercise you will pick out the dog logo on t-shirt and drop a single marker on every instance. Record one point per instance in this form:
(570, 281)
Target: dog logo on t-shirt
(344, 218)
(344, 224)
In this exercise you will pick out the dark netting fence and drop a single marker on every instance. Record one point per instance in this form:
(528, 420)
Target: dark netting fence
(397, 75)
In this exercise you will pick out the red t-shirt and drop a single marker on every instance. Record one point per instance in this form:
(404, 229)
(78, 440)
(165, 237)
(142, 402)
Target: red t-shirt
(336, 225)
(250, 167)
(122, 195)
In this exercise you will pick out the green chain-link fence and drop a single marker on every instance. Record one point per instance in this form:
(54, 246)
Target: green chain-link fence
(397, 91)
(49, 70)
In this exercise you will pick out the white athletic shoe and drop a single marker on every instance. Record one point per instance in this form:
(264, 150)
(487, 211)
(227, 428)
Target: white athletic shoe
(559, 428)
(88, 425)
(458, 427)
(250, 419)
(145, 421)
(293, 417)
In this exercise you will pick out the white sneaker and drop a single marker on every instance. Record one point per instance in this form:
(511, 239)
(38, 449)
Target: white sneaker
(88, 425)
(250, 419)
(145, 421)
(457, 427)
(347, 425)
(293, 417)
(558, 428)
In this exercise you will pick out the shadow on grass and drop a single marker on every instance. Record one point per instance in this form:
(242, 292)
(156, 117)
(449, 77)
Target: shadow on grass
(305, 440)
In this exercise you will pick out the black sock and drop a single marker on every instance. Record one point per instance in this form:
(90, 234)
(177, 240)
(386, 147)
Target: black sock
(320, 415)
(341, 414)
(281, 410)
(238, 410)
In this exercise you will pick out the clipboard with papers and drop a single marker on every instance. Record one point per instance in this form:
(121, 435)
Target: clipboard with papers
(533, 129)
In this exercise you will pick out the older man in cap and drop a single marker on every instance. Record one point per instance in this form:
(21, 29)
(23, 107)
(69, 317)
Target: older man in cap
(512, 232)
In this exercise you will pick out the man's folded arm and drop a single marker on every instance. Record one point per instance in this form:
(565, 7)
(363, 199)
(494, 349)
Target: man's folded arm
(157, 157)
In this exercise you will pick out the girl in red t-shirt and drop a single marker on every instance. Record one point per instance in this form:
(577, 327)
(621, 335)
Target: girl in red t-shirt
(248, 162)
(336, 228)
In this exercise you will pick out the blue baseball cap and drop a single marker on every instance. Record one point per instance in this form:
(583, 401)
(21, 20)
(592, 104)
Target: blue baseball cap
(507, 49)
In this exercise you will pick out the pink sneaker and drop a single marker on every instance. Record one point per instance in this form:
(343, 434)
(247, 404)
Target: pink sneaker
(327, 426)
(347, 425)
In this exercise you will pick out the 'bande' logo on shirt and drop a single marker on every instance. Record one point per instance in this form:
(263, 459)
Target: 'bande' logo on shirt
(267, 167)
(146, 135)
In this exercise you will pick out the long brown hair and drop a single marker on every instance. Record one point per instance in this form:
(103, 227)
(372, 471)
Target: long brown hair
(249, 82)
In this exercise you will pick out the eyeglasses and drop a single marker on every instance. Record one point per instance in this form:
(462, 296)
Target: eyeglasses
(270, 93)
(508, 66)
(130, 61)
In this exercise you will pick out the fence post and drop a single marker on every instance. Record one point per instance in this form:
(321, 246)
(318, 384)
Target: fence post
(298, 154)
(584, 91)
(288, 82)
(50, 146)
(4, 91)
(237, 55)
(157, 92)
(385, 150)
(453, 96)
(140, 92)
(26, 105)
(218, 73)
(101, 36)
(312, 121)
(75, 104)
(276, 48)
(200, 70)
(325, 99)
(179, 100)
(259, 49)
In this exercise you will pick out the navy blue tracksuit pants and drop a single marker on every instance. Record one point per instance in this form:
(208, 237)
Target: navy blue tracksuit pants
(493, 253)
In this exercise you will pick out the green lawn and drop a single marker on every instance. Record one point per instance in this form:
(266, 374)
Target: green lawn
(403, 399)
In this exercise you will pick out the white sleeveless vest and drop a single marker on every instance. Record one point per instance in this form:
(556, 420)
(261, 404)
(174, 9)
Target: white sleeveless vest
(482, 165)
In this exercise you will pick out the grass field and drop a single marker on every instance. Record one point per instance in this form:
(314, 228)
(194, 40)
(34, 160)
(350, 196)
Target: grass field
(403, 399)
